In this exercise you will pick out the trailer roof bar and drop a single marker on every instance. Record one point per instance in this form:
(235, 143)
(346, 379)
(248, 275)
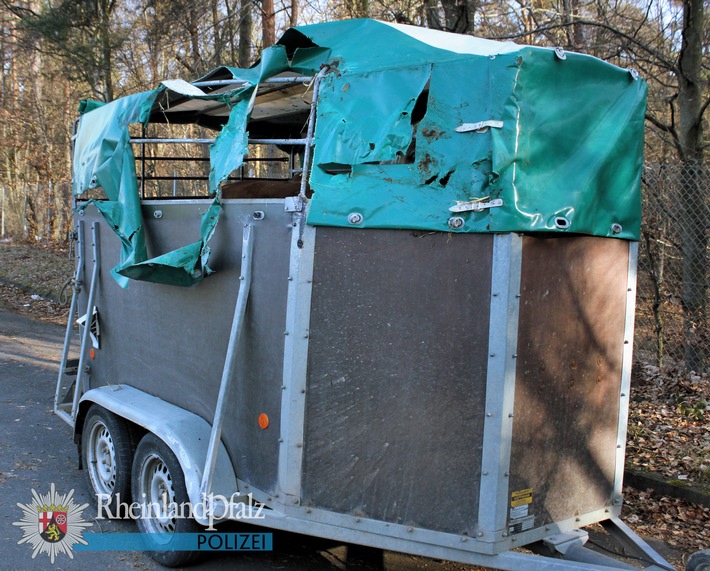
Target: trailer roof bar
(200, 141)
(273, 80)
(206, 159)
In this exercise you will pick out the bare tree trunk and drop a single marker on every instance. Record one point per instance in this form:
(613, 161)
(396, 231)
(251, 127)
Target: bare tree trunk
(471, 9)
(194, 31)
(459, 16)
(268, 24)
(294, 13)
(216, 17)
(431, 11)
(527, 21)
(230, 31)
(694, 200)
(245, 29)
(106, 50)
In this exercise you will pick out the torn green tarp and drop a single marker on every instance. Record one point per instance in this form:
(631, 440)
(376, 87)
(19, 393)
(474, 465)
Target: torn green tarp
(565, 156)
(227, 153)
(343, 137)
(103, 157)
(559, 149)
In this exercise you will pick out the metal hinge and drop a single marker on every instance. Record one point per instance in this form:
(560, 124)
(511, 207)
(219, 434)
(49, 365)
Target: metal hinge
(476, 205)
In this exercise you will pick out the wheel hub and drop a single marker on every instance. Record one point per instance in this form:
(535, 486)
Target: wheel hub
(160, 495)
(103, 463)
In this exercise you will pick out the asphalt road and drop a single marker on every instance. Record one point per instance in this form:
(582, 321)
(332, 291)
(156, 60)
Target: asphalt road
(37, 450)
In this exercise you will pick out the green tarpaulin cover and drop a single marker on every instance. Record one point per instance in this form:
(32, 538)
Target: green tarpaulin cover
(414, 127)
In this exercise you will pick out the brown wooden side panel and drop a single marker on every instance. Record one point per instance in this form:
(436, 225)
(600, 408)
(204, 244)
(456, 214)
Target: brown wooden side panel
(568, 377)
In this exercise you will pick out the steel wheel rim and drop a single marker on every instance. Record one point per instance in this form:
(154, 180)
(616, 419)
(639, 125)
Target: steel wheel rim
(102, 459)
(158, 494)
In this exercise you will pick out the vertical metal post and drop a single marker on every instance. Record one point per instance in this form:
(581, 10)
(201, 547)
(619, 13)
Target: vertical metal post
(229, 363)
(78, 279)
(24, 215)
(309, 135)
(500, 385)
(143, 163)
(50, 194)
(626, 362)
(83, 352)
(75, 129)
(295, 369)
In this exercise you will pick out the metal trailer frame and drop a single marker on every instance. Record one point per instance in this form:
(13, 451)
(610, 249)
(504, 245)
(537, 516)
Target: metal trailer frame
(210, 474)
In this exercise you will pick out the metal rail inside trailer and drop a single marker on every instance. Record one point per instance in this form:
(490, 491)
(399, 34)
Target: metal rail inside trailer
(404, 314)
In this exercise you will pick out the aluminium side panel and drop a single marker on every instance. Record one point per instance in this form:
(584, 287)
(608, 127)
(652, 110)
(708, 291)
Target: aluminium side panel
(397, 376)
(171, 341)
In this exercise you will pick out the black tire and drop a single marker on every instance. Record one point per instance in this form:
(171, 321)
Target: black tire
(158, 480)
(699, 561)
(107, 454)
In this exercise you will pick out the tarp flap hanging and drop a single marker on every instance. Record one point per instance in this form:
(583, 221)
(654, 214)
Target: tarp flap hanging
(228, 150)
(103, 157)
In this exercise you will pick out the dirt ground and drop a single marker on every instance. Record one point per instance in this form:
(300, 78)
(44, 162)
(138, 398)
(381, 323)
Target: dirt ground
(669, 422)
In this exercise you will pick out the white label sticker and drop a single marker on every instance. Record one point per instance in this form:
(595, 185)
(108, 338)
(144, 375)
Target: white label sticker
(521, 524)
(519, 511)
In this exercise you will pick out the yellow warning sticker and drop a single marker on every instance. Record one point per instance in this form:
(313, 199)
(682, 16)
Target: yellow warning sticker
(521, 498)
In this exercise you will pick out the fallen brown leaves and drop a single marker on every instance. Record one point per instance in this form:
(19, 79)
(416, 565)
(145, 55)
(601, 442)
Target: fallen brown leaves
(32, 278)
(680, 524)
(669, 425)
(31, 304)
(669, 434)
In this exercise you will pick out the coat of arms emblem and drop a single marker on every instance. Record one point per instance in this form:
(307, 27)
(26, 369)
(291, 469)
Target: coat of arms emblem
(52, 523)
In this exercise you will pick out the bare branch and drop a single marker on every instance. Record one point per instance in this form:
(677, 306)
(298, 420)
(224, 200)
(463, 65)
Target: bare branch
(661, 58)
(703, 109)
(670, 129)
(20, 11)
(185, 63)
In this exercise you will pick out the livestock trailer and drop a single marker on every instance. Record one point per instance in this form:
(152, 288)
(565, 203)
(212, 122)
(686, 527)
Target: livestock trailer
(380, 284)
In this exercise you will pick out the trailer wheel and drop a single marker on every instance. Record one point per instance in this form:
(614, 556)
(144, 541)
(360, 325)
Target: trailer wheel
(159, 488)
(106, 451)
(699, 561)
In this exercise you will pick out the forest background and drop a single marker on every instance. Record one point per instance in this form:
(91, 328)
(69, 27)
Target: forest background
(57, 52)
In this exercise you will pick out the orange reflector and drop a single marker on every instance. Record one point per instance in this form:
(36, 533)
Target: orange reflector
(263, 421)
(92, 353)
